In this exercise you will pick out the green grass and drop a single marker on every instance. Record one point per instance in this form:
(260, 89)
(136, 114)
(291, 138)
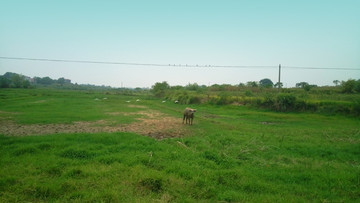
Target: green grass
(232, 153)
(61, 106)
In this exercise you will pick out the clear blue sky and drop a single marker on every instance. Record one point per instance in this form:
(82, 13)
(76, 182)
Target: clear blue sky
(323, 33)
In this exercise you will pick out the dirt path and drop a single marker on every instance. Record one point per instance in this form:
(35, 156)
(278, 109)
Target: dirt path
(152, 123)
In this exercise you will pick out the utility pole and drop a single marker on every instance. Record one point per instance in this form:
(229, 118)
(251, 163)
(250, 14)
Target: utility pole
(279, 77)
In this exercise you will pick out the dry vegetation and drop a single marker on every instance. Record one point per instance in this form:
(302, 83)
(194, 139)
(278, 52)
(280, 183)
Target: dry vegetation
(150, 123)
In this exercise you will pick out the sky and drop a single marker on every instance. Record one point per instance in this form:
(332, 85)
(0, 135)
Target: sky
(245, 33)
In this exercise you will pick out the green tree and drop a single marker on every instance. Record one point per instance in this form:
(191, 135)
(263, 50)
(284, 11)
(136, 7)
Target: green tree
(37, 80)
(307, 87)
(4, 82)
(266, 82)
(301, 84)
(193, 87)
(336, 82)
(357, 86)
(277, 85)
(252, 84)
(9, 75)
(26, 83)
(177, 87)
(61, 81)
(348, 86)
(159, 89)
(17, 80)
(46, 81)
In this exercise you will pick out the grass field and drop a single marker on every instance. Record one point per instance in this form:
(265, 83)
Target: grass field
(85, 146)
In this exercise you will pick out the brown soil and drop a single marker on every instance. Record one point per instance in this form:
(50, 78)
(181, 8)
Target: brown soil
(152, 123)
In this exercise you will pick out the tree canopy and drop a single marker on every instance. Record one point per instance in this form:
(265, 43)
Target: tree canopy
(159, 89)
(266, 82)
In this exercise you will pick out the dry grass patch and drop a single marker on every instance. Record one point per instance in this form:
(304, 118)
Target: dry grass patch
(151, 123)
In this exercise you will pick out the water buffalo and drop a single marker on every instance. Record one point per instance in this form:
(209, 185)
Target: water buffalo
(189, 115)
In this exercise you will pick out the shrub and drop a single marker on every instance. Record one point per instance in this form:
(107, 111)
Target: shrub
(225, 98)
(248, 93)
(356, 108)
(182, 97)
(310, 106)
(285, 102)
(213, 99)
(194, 100)
(269, 100)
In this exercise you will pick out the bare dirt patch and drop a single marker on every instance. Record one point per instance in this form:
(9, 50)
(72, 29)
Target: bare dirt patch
(151, 123)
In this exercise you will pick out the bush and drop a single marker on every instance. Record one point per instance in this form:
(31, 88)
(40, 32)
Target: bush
(285, 102)
(248, 93)
(269, 100)
(194, 100)
(225, 98)
(356, 108)
(184, 97)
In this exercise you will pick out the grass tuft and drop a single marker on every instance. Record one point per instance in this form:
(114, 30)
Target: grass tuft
(77, 154)
(151, 184)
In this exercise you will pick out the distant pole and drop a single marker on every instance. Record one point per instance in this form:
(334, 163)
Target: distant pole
(279, 77)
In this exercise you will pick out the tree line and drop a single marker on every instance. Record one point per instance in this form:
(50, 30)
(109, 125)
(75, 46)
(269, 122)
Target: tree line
(14, 80)
(159, 89)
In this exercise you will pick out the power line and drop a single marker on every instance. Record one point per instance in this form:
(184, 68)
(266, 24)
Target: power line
(80, 61)
(167, 65)
(133, 64)
(318, 68)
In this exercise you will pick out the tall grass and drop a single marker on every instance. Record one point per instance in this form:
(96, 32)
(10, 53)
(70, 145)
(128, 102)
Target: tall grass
(324, 100)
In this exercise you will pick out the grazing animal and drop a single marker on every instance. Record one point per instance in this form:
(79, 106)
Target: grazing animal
(189, 115)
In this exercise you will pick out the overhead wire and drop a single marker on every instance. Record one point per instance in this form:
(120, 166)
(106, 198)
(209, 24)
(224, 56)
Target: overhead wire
(170, 65)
